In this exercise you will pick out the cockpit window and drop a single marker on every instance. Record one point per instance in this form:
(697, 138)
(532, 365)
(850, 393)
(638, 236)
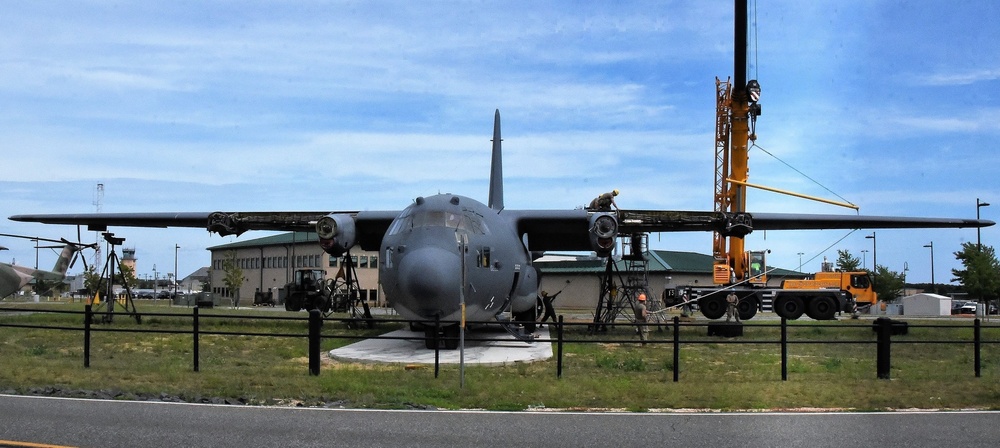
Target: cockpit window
(409, 221)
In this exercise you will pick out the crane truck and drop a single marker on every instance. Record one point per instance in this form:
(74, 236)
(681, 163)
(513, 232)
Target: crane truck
(745, 272)
(820, 298)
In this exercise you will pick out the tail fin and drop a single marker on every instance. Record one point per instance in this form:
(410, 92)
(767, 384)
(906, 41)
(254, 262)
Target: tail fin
(65, 257)
(496, 168)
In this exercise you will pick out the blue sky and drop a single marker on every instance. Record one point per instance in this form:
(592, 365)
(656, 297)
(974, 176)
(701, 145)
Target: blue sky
(200, 106)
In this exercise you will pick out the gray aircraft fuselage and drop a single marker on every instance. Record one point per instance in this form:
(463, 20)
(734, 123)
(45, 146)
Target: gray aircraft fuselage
(423, 256)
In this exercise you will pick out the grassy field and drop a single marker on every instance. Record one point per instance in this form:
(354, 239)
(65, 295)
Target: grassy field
(608, 375)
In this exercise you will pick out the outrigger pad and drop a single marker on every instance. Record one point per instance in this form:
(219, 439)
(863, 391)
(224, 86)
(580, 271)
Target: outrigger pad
(725, 329)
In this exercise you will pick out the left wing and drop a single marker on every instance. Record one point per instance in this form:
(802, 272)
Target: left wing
(573, 229)
(370, 225)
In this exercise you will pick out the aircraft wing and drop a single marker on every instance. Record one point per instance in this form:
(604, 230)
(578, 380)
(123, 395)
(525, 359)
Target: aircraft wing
(371, 225)
(796, 221)
(682, 221)
(570, 229)
(546, 230)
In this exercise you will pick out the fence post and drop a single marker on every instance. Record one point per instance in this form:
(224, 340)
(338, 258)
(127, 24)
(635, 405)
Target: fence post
(884, 328)
(559, 346)
(315, 321)
(784, 349)
(195, 337)
(87, 318)
(977, 342)
(677, 348)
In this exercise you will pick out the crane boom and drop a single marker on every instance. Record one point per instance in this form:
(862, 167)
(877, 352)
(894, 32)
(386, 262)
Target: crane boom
(733, 114)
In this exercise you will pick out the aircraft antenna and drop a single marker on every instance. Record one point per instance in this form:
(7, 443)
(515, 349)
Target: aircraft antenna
(98, 203)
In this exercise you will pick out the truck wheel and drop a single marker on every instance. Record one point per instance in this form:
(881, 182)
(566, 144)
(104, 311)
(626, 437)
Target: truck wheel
(292, 304)
(712, 307)
(790, 308)
(747, 308)
(822, 308)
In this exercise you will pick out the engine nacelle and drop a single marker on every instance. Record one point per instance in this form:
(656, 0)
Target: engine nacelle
(603, 231)
(336, 233)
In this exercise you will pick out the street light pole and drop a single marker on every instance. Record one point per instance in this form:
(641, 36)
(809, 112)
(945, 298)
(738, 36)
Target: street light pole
(176, 247)
(933, 285)
(979, 241)
(800, 261)
(864, 258)
(36, 250)
(874, 257)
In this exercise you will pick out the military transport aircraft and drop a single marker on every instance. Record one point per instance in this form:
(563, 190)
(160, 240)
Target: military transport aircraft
(445, 248)
(13, 277)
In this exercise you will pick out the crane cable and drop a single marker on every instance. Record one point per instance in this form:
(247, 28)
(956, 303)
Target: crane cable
(753, 24)
(755, 145)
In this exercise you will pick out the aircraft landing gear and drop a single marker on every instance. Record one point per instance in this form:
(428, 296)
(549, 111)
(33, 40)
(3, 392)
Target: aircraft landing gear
(447, 338)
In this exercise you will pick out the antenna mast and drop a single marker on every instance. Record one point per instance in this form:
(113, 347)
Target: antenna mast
(98, 203)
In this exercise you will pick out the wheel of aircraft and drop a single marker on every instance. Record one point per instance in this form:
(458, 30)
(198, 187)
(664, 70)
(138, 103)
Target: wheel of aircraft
(448, 339)
(529, 316)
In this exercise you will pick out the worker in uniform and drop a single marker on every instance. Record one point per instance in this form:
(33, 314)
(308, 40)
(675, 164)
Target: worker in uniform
(686, 310)
(550, 310)
(640, 318)
(731, 301)
(604, 202)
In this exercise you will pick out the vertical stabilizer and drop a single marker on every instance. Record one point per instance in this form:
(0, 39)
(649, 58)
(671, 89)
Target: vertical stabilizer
(65, 259)
(496, 168)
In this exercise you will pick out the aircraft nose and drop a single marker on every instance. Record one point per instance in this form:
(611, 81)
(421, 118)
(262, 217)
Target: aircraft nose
(430, 279)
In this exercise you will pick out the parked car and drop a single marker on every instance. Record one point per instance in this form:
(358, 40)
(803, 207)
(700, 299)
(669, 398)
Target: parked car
(956, 306)
(968, 308)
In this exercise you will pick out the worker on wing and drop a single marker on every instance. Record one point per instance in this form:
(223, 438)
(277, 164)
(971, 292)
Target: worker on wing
(604, 202)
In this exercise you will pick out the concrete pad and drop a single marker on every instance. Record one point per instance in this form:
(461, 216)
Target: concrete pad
(409, 348)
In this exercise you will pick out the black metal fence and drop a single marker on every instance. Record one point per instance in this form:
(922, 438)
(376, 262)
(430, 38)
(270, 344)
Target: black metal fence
(883, 328)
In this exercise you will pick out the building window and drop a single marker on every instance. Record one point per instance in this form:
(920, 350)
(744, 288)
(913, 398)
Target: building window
(373, 261)
(363, 261)
(333, 261)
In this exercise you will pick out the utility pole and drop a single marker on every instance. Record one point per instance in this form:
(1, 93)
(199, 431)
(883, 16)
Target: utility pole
(933, 285)
(979, 240)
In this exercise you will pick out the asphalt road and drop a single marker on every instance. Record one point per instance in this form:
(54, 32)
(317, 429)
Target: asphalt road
(94, 423)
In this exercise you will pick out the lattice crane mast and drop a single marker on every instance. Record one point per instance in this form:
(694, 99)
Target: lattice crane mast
(736, 112)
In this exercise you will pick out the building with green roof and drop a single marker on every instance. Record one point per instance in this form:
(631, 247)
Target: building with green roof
(268, 264)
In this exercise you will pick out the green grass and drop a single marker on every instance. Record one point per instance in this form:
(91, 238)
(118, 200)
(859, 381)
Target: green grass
(616, 374)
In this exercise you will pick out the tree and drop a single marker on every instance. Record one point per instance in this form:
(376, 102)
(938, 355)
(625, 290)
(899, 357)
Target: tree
(847, 262)
(234, 276)
(888, 284)
(981, 276)
(127, 277)
(91, 280)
